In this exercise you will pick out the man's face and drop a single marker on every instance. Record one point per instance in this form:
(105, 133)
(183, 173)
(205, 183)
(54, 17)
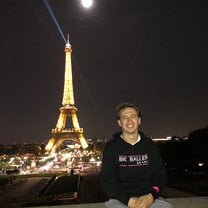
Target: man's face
(129, 120)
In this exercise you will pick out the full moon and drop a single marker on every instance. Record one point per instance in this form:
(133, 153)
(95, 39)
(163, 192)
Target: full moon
(87, 3)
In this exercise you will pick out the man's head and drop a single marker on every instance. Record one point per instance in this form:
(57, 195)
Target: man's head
(128, 117)
(122, 106)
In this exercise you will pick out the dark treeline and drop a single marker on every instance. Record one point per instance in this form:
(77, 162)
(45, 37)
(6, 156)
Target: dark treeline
(21, 149)
(190, 154)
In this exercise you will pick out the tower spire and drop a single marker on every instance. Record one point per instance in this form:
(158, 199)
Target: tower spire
(68, 95)
(67, 38)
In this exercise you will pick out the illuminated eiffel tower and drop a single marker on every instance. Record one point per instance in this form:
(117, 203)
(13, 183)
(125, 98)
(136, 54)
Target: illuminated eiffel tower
(67, 111)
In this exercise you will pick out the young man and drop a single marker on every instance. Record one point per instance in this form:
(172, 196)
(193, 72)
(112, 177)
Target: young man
(132, 174)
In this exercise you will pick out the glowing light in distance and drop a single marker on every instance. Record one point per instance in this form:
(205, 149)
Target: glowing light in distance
(87, 3)
(200, 164)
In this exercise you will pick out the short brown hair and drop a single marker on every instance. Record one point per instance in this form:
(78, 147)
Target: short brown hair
(124, 105)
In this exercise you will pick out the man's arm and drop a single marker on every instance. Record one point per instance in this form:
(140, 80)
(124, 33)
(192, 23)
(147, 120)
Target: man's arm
(110, 176)
(158, 178)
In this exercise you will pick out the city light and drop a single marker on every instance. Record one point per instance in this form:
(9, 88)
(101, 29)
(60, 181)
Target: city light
(200, 164)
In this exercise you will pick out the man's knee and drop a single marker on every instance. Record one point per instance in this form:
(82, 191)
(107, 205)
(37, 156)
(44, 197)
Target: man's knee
(161, 203)
(114, 203)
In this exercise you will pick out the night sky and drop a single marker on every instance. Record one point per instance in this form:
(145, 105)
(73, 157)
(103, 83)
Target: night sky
(150, 52)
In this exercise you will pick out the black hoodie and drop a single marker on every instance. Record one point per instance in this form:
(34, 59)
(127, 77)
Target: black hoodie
(131, 170)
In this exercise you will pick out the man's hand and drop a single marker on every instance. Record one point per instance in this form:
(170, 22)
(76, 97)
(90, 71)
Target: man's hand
(144, 201)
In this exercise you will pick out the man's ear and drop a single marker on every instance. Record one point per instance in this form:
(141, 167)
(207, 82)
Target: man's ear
(139, 120)
(119, 122)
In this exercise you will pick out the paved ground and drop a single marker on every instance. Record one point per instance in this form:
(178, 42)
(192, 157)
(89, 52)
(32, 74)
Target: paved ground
(176, 193)
(20, 191)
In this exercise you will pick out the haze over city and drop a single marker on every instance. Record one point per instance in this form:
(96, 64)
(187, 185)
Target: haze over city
(150, 52)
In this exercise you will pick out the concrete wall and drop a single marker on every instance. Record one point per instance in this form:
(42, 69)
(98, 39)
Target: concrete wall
(188, 202)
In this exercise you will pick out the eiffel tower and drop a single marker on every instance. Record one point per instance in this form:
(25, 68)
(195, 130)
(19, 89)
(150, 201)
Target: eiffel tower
(67, 111)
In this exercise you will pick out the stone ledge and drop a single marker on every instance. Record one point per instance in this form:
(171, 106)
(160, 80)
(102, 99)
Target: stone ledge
(188, 202)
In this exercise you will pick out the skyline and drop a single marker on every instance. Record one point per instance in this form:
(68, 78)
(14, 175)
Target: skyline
(152, 53)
